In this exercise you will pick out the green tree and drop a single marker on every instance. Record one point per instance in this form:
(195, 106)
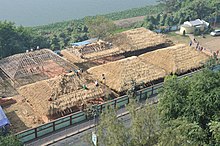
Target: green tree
(215, 130)
(197, 99)
(145, 128)
(182, 133)
(99, 26)
(111, 131)
(15, 39)
(9, 140)
(55, 43)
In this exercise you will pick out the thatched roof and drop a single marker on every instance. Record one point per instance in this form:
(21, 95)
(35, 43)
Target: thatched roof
(66, 91)
(176, 59)
(119, 74)
(131, 40)
(141, 38)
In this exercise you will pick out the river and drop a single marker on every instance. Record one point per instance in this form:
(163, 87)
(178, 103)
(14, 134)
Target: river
(40, 12)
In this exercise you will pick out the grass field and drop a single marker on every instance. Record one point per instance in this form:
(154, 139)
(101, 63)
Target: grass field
(176, 38)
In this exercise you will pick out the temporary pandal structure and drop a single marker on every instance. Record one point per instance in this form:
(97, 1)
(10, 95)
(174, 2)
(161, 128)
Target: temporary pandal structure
(88, 48)
(59, 95)
(176, 59)
(30, 63)
(119, 74)
(127, 41)
(140, 38)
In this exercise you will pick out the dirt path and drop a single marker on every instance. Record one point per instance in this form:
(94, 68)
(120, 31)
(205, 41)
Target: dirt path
(210, 44)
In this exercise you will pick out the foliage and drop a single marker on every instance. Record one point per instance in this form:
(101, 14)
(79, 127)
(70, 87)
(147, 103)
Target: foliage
(144, 129)
(15, 39)
(111, 130)
(9, 140)
(145, 125)
(178, 11)
(215, 129)
(196, 99)
(77, 30)
(99, 26)
(182, 133)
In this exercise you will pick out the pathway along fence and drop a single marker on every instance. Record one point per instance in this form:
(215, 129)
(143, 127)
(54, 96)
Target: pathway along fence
(79, 117)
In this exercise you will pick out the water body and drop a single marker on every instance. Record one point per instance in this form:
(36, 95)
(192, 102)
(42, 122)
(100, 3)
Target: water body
(39, 12)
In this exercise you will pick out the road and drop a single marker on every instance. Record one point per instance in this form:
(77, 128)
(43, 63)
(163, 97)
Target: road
(75, 135)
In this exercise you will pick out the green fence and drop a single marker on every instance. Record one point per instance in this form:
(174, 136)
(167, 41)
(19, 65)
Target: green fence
(79, 117)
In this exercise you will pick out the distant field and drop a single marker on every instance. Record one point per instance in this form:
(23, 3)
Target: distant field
(129, 21)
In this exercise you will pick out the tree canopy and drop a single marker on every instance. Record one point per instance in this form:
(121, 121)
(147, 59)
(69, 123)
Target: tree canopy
(195, 99)
(99, 26)
(9, 140)
(16, 39)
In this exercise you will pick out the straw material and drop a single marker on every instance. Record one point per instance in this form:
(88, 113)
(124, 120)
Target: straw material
(105, 53)
(119, 74)
(176, 59)
(65, 91)
(139, 38)
(131, 40)
(71, 57)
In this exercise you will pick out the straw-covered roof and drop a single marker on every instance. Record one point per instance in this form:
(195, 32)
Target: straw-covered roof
(139, 38)
(119, 74)
(176, 59)
(66, 91)
(131, 40)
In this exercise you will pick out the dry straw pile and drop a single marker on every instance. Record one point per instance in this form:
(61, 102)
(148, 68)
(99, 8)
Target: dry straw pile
(176, 59)
(119, 74)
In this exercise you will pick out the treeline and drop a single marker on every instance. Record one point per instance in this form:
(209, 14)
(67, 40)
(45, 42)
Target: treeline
(16, 39)
(62, 33)
(178, 11)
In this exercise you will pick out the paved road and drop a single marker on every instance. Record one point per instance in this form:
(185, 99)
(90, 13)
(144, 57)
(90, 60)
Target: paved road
(79, 140)
(74, 135)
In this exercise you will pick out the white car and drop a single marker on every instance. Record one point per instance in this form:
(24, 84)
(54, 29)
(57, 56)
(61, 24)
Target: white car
(215, 33)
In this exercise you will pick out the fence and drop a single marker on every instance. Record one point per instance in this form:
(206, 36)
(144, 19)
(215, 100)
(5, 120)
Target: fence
(79, 117)
(167, 29)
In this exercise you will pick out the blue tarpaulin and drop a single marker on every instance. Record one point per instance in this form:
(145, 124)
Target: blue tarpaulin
(84, 42)
(3, 119)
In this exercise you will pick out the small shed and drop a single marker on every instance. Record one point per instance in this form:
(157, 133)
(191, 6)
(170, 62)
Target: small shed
(190, 26)
(83, 43)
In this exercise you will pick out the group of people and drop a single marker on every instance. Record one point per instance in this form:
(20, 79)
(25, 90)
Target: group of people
(200, 48)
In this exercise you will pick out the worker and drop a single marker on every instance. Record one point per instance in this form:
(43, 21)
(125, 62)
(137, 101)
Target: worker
(96, 83)
(217, 52)
(190, 43)
(81, 70)
(103, 76)
(85, 87)
(77, 73)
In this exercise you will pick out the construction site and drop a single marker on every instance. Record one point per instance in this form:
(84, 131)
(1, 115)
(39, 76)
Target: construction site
(126, 44)
(46, 86)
